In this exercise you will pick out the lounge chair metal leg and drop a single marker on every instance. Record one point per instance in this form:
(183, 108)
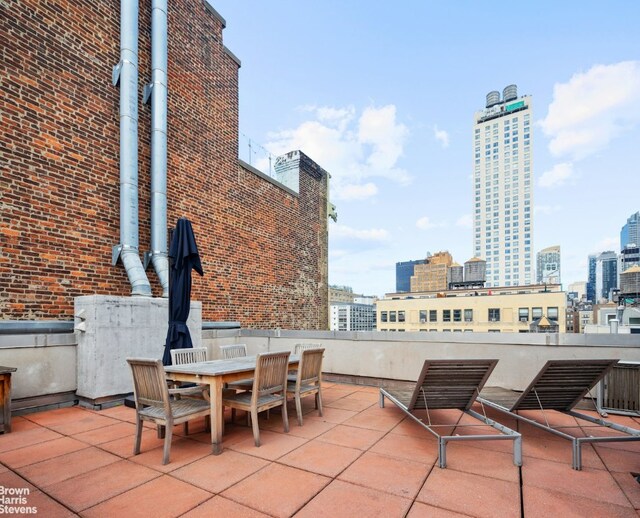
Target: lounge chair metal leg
(319, 402)
(381, 400)
(577, 455)
(442, 452)
(517, 451)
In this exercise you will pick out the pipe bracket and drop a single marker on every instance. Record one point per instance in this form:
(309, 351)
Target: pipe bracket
(146, 93)
(115, 73)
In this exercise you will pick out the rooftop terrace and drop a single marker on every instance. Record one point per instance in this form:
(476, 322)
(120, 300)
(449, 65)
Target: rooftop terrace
(357, 460)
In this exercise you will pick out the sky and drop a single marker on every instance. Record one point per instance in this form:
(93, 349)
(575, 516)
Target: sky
(382, 95)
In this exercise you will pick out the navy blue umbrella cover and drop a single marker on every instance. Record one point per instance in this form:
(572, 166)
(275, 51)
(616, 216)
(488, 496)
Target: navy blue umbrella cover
(184, 257)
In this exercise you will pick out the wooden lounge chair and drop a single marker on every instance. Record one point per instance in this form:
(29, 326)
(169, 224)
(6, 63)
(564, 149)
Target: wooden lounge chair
(451, 384)
(561, 385)
(269, 390)
(153, 402)
(307, 380)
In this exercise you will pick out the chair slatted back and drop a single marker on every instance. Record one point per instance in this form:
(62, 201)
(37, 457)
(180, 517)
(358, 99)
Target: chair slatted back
(271, 373)
(450, 383)
(233, 351)
(149, 383)
(304, 347)
(561, 384)
(310, 367)
(190, 355)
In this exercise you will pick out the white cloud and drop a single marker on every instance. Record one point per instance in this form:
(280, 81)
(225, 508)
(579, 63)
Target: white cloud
(354, 150)
(441, 136)
(373, 234)
(425, 223)
(557, 175)
(607, 243)
(465, 221)
(357, 191)
(593, 108)
(546, 209)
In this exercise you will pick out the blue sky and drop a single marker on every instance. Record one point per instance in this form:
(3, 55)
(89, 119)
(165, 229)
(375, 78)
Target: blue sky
(382, 95)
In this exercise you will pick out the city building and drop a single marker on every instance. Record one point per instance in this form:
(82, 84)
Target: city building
(503, 188)
(548, 265)
(352, 317)
(579, 288)
(591, 279)
(630, 232)
(606, 275)
(404, 272)
(504, 309)
(629, 256)
(339, 294)
(433, 274)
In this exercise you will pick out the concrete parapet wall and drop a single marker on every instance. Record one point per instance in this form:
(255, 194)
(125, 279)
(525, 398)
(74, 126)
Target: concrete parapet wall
(46, 363)
(399, 356)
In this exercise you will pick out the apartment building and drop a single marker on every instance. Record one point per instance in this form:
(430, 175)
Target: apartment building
(505, 309)
(503, 188)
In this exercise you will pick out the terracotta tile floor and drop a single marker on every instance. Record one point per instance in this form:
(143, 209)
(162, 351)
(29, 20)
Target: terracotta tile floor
(357, 460)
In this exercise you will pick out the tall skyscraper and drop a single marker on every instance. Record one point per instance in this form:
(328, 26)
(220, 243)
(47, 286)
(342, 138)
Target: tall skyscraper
(548, 265)
(591, 281)
(606, 275)
(503, 188)
(630, 232)
(404, 272)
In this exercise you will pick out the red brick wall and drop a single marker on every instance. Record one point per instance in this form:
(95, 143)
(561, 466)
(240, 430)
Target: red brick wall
(264, 250)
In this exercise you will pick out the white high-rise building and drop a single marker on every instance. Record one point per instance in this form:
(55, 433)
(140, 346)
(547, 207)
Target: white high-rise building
(503, 188)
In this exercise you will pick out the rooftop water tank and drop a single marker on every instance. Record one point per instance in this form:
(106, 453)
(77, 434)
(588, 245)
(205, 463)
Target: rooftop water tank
(510, 93)
(630, 281)
(493, 98)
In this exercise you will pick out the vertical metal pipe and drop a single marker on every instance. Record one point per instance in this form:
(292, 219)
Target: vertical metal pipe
(158, 87)
(129, 148)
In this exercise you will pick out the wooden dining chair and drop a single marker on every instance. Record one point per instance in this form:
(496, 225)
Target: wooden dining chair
(303, 347)
(190, 355)
(308, 380)
(154, 403)
(233, 351)
(269, 390)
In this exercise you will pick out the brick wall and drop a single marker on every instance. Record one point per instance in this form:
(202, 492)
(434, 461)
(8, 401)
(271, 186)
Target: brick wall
(264, 249)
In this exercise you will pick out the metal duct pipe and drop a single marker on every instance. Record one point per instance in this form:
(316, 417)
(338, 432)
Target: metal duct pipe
(126, 73)
(157, 90)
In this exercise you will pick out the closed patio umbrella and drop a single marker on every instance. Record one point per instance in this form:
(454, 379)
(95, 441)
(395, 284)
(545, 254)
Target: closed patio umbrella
(184, 257)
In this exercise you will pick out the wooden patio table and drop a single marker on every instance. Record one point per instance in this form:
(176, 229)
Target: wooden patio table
(215, 374)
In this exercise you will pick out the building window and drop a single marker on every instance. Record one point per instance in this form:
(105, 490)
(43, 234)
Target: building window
(383, 316)
(468, 315)
(423, 316)
(433, 315)
(494, 314)
(400, 316)
(552, 313)
(536, 313)
(523, 314)
(392, 316)
(446, 315)
(457, 315)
